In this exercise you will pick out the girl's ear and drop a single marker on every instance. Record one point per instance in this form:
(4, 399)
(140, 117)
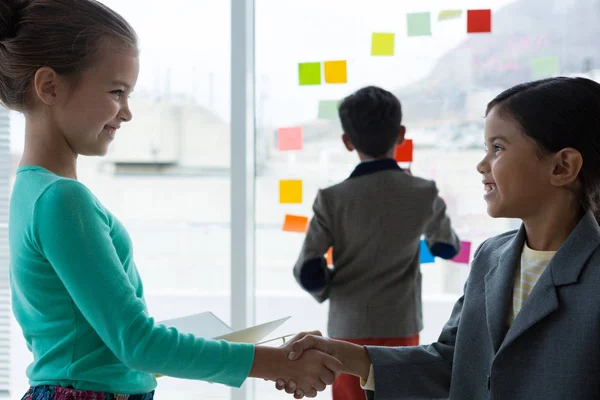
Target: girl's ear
(567, 164)
(45, 85)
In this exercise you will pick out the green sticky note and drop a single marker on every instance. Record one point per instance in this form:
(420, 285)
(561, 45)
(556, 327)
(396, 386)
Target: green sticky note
(449, 14)
(309, 73)
(328, 109)
(544, 67)
(418, 24)
(382, 44)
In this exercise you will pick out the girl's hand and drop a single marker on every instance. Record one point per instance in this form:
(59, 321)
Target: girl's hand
(310, 341)
(280, 383)
(354, 358)
(298, 345)
(311, 374)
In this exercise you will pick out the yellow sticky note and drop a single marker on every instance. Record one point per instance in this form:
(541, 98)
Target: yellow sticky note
(290, 191)
(336, 72)
(449, 14)
(382, 44)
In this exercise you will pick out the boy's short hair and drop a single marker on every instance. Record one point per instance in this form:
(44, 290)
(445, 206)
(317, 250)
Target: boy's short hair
(371, 118)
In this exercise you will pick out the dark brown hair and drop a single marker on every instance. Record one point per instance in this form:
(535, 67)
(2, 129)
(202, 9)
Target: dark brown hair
(64, 35)
(558, 113)
(371, 118)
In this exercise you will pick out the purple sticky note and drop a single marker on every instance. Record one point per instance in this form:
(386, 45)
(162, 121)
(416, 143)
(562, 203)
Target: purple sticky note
(464, 257)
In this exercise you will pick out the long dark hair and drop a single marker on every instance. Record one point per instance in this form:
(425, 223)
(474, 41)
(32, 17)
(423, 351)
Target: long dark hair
(558, 113)
(64, 35)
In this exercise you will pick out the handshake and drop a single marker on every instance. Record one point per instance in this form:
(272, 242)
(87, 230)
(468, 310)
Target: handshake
(308, 363)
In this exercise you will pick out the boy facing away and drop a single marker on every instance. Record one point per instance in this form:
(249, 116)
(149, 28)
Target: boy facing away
(374, 221)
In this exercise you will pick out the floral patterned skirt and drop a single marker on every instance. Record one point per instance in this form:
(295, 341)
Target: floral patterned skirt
(62, 393)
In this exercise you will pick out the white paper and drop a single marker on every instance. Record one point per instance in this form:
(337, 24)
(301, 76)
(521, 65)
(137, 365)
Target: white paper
(208, 325)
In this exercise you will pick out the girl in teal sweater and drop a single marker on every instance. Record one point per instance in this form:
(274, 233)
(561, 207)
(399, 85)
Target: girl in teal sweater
(69, 67)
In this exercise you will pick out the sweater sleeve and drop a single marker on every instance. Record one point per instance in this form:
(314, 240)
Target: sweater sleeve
(72, 231)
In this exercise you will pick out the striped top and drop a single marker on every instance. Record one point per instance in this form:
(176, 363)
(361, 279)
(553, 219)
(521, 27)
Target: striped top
(533, 263)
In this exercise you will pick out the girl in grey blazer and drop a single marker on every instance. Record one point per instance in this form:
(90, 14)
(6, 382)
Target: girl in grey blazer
(515, 334)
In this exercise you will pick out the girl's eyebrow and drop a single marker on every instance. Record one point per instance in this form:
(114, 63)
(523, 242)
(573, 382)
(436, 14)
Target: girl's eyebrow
(499, 137)
(121, 83)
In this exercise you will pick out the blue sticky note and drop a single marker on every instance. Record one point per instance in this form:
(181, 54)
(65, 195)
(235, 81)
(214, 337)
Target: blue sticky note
(425, 255)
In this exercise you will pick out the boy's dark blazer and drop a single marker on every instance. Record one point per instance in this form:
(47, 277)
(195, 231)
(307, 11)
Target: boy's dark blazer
(374, 220)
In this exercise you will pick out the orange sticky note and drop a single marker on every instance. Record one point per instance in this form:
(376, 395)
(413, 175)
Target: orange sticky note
(479, 21)
(290, 191)
(289, 138)
(404, 152)
(336, 72)
(329, 256)
(295, 223)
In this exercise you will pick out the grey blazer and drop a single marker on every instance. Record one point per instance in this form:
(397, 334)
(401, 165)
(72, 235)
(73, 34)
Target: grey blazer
(552, 350)
(374, 220)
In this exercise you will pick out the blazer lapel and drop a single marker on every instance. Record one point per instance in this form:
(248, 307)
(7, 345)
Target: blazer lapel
(498, 288)
(564, 268)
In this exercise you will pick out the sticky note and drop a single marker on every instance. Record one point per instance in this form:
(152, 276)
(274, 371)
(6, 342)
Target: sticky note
(335, 71)
(464, 256)
(328, 109)
(309, 73)
(418, 24)
(425, 255)
(479, 21)
(404, 152)
(289, 138)
(290, 191)
(544, 67)
(382, 44)
(449, 14)
(329, 256)
(295, 223)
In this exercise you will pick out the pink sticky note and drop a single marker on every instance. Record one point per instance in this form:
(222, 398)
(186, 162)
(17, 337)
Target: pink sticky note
(464, 257)
(289, 138)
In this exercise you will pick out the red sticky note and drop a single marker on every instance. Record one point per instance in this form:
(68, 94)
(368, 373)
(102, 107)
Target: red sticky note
(295, 223)
(479, 21)
(464, 257)
(329, 256)
(404, 152)
(289, 138)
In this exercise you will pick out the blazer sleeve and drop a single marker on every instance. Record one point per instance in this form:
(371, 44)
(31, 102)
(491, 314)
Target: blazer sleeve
(419, 372)
(311, 270)
(441, 239)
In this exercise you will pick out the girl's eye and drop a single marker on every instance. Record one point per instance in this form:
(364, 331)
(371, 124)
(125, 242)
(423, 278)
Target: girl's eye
(497, 148)
(117, 93)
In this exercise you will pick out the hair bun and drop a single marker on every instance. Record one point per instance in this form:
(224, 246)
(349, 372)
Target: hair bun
(10, 15)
